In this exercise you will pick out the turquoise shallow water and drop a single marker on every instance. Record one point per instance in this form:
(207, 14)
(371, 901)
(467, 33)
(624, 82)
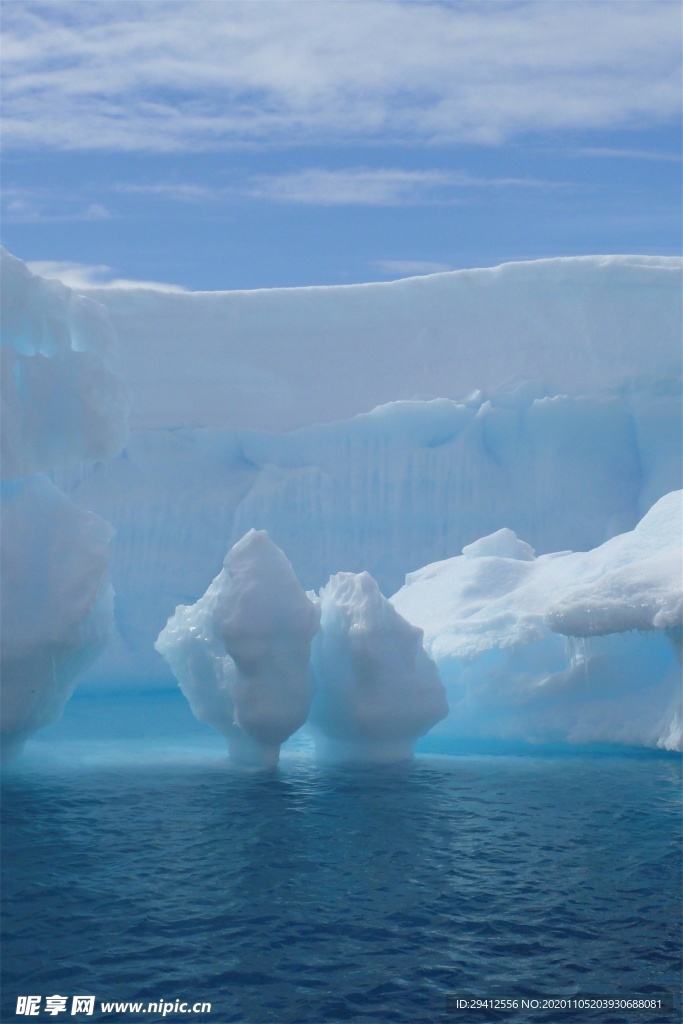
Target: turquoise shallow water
(319, 895)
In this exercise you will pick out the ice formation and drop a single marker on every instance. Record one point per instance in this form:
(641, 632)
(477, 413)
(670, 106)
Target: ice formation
(573, 434)
(493, 620)
(377, 691)
(241, 653)
(63, 400)
(283, 358)
(62, 404)
(387, 492)
(56, 602)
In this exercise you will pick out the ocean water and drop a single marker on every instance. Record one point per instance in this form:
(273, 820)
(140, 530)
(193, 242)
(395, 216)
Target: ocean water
(155, 872)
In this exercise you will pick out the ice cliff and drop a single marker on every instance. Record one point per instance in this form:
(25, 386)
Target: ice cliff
(579, 647)
(63, 404)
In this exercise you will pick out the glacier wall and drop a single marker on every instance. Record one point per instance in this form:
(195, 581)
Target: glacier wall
(382, 427)
(283, 358)
(63, 403)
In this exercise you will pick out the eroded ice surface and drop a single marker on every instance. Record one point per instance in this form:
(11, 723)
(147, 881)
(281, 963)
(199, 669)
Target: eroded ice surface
(389, 491)
(63, 400)
(63, 404)
(241, 653)
(492, 624)
(377, 691)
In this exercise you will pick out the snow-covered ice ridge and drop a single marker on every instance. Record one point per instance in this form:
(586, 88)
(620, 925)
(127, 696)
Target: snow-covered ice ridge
(579, 647)
(283, 358)
(63, 403)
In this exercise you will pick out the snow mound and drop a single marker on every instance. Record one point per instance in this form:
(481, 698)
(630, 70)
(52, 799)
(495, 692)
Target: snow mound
(634, 581)
(377, 690)
(241, 652)
(493, 625)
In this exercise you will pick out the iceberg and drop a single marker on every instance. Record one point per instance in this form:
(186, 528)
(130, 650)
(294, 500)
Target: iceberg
(241, 653)
(377, 690)
(63, 406)
(569, 646)
(383, 427)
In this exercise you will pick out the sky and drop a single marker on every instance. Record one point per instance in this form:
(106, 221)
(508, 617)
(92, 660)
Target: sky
(222, 144)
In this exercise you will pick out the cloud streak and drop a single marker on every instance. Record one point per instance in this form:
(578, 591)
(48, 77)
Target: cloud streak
(376, 186)
(44, 206)
(84, 276)
(176, 76)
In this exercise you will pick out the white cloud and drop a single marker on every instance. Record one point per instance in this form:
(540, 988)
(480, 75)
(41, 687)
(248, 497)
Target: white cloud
(42, 206)
(374, 187)
(193, 74)
(184, 192)
(96, 211)
(629, 154)
(83, 276)
(385, 187)
(410, 268)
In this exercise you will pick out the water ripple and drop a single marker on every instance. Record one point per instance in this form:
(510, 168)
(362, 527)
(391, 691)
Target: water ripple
(315, 896)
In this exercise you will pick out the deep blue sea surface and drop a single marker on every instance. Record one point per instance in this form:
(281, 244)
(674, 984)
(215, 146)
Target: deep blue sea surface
(310, 895)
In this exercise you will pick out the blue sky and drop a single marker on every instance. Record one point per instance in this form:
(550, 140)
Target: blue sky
(230, 144)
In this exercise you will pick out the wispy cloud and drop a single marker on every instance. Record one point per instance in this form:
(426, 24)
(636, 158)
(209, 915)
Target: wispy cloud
(375, 187)
(389, 186)
(183, 192)
(628, 154)
(195, 74)
(41, 206)
(410, 268)
(85, 276)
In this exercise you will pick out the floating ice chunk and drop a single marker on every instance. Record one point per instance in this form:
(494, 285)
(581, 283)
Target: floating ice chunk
(377, 690)
(241, 653)
(501, 544)
(492, 624)
(56, 603)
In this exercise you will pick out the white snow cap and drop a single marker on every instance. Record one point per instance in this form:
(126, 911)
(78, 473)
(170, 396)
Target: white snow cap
(377, 690)
(241, 653)
(280, 358)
